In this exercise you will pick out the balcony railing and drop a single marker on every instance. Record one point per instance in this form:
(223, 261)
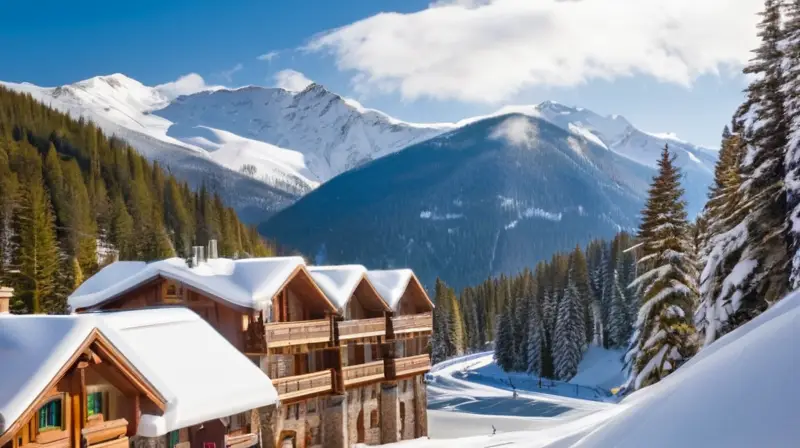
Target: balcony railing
(409, 366)
(363, 373)
(361, 328)
(299, 386)
(412, 323)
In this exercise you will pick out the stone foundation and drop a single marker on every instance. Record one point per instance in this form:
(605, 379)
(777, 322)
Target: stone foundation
(334, 422)
(148, 442)
(267, 421)
(364, 415)
(421, 406)
(390, 418)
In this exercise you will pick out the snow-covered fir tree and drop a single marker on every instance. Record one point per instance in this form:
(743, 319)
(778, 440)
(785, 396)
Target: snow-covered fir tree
(521, 307)
(752, 261)
(662, 337)
(535, 341)
(619, 322)
(791, 92)
(504, 349)
(570, 336)
(721, 213)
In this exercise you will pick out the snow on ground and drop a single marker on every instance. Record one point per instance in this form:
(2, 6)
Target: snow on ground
(462, 402)
(739, 392)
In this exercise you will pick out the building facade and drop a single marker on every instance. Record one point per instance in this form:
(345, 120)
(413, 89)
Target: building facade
(126, 379)
(345, 348)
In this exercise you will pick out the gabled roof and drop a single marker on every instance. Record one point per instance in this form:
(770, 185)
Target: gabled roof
(249, 283)
(171, 348)
(392, 284)
(339, 283)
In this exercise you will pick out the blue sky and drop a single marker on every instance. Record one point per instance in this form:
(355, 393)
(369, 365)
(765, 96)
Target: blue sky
(666, 68)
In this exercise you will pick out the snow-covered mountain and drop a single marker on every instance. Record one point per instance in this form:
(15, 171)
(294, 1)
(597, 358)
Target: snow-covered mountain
(123, 107)
(265, 147)
(332, 133)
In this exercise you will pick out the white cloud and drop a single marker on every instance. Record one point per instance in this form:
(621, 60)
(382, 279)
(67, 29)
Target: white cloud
(268, 56)
(516, 131)
(291, 80)
(488, 50)
(227, 75)
(185, 85)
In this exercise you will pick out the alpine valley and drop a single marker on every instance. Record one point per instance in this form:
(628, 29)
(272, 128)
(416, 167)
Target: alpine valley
(335, 180)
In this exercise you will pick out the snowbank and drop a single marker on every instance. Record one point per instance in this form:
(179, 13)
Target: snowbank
(739, 392)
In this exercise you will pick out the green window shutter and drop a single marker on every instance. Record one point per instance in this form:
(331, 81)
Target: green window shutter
(90, 404)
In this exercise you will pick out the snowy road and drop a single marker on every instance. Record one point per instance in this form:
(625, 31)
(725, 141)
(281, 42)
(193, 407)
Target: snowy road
(458, 407)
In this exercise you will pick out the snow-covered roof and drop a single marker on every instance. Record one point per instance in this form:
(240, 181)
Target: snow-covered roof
(250, 283)
(338, 282)
(169, 347)
(391, 284)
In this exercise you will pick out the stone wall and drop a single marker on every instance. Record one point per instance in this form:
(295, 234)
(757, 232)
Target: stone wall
(421, 403)
(405, 400)
(364, 414)
(334, 422)
(148, 442)
(303, 420)
(390, 419)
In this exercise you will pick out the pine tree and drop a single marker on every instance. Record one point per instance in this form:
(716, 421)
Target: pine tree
(662, 337)
(619, 322)
(456, 324)
(570, 334)
(791, 92)
(535, 341)
(504, 340)
(36, 259)
(752, 260)
(721, 213)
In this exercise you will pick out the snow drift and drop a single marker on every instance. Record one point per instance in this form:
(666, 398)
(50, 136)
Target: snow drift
(739, 392)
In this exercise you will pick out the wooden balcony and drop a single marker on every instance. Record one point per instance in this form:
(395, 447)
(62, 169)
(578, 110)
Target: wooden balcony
(409, 366)
(281, 334)
(299, 386)
(361, 328)
(363, 373)
(412, 323)
(260, 336)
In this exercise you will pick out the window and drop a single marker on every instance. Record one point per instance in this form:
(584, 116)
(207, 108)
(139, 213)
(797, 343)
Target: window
(94, 403)
(375, 391)
(405, 386)
(50, 415)
(312, 405)
(174, 439)
(297, 412)
(209, 445)
(373, 419)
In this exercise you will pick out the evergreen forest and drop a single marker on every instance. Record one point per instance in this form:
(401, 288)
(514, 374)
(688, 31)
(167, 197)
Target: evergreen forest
(73, 199)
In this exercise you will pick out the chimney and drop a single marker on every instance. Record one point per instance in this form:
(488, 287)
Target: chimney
(198, 256)
(212, 249)
(5, 299)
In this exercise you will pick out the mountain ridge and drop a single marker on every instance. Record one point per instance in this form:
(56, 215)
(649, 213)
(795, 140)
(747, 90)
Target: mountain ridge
(275, 146)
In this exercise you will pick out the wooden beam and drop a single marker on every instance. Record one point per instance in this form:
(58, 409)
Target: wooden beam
(77, 395)
(136, 412)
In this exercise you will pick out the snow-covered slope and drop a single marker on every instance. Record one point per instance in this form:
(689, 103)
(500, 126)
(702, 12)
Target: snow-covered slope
(617, 134)
(332, 133)
(739, 392)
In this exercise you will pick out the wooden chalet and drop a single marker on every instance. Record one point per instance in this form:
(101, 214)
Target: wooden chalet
(125, 379)
(331, 339)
